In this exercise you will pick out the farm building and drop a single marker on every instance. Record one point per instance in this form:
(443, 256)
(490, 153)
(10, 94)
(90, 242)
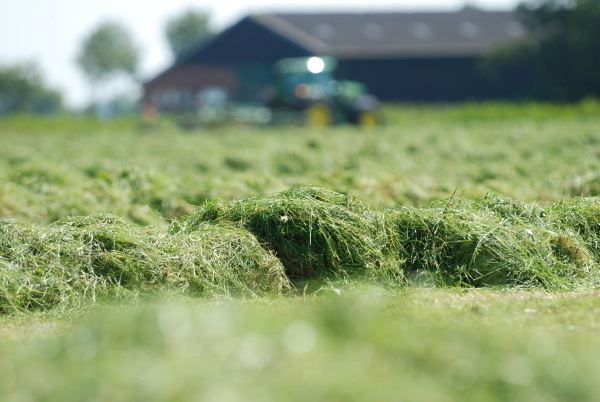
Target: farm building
(419, 57)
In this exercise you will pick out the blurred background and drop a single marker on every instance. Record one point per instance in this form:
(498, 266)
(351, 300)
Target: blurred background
(127, 56)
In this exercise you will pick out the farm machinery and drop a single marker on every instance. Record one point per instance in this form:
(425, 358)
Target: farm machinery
(302, 91)
(309, 88)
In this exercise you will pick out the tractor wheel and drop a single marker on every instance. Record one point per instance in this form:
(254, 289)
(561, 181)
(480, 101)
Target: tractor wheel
(318, 115)
(369, 119)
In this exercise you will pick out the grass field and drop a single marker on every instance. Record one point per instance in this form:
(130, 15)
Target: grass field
(450, 255)
(53, 169)
(425, 344)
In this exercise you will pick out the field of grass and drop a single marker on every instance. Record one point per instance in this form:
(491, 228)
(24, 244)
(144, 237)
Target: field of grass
(451, 255)
(425, 344)
(423, 154)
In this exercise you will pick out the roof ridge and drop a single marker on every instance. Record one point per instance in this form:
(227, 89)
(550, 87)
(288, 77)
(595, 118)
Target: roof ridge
(293, 33)
(390, 13)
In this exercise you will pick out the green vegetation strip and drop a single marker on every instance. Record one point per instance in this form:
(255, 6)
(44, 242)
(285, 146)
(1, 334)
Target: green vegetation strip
(365, 344)
(266, 245)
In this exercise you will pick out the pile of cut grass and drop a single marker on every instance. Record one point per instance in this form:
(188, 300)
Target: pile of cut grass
(494, 241)
(80, 260)
(268, 244)
(582, 216)
(316, 233)
(514, 211)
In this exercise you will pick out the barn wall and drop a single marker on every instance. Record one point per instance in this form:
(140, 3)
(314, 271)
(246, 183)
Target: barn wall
(438, 79)
(178, 87)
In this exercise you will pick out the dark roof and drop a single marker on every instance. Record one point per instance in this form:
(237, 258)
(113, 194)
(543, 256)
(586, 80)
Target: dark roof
(426, 34)
(246, 41)
(347, 36)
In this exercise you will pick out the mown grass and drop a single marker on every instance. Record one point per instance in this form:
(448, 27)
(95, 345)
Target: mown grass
(434, 345)
(144, 177)
(84, 260)
(362, 287)
(27, 124)
(493, 111)
(316, 233)
(276, 244)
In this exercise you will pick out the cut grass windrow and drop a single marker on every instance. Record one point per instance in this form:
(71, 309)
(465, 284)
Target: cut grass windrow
(264, 245)
(314, 232)
(78, 260)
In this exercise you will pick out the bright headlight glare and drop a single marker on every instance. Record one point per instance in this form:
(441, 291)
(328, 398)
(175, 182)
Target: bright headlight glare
(315, 65)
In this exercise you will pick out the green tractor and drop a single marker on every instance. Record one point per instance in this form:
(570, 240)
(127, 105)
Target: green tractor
(307, 89)
(303, 90)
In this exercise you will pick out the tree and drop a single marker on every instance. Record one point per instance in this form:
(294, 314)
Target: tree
(188, 31)
(563, 47)
(107, 55)
(567, 54)
(108, 51)
(22, 90)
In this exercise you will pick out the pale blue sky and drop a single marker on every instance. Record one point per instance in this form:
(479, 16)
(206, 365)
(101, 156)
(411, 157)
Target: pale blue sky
(51, 31)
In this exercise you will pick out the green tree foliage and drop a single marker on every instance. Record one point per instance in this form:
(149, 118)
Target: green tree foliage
(188, 31)
(23, 90)
(563, 47)
(108, 51)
